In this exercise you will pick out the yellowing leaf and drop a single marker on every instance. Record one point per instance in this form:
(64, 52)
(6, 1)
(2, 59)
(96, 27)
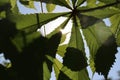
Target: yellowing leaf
(50, 7)
(13, 4)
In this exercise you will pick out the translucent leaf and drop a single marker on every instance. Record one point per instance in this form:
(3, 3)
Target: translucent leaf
(118, 39)
(78, 75)
(63, 38)
(91, 3)
(75, 43)
(76, 40)
(87, 21)
(115, 3)
(115, 27)
(79, 2)
(56, 2)
(14, 7)
(77, 46)
(27, 21)
(46, 72)
(13, 4)
(50, 7)
(108, 1)
(57, 67)
(107, 50)
(93, 45)
(2, 14)
(115, 21)
(61, 26)
(29, 4)
(68, 1)
(74, 3)
(97, 38)
(102, 13)
(62, 49)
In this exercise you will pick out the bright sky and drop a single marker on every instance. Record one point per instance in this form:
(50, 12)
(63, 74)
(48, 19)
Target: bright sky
(113, 72)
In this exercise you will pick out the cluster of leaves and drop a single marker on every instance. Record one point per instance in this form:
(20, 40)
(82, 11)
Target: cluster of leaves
(33, 56)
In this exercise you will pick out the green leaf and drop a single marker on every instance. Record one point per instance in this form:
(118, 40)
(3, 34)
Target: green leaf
(107, 49)
(76, 40)
(28, 21)
(77, 45)
(57, 67)
(3, 2)
(115, 21)
(68, 1)
(115, 27)
(22, 39)
(58, 2)
(79, 2)
(29, 4)
(50, 7)
(66, 73)
(93, 45)
(87, 21)
(91, 3)
(113, 3)
(46, 72)
(63, 38)
(61, 26)
(118, 39)
(102, 13)
(98, 40)
(74, 3)
(13, 4)
(78, 75)
(108, 1)
(62, 49)
(2, 14)
(4, 5)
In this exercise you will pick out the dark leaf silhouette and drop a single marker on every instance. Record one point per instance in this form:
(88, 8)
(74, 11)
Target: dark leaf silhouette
(74, 59)
(30, 63)
(62, 76)
(105, 56)
(87, 21)
(7, 31)
(52, 46)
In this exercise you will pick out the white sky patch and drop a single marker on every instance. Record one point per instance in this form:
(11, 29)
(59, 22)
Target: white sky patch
(107, 21)
(84, 4)
(67, 30)
(61, 9)
(3, 61)
(49, 27)
(25, 10)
